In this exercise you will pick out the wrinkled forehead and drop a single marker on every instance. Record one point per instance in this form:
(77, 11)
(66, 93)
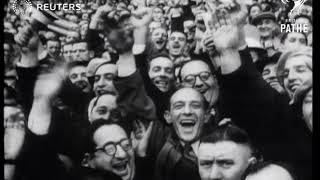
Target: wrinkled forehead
(224, 149)
(106, 100)
(106, 68)
(298, 60)
(80, 45)
(177, 34)
(161, 61)
(67, 46)
(78, 69)
(109, 133)
(194, 67)
(296, 35)
(159, 30)
(186, 95)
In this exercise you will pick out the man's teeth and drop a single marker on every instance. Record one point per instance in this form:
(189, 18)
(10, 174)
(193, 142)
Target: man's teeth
(187, 123)
(120, 166)
(162, 83)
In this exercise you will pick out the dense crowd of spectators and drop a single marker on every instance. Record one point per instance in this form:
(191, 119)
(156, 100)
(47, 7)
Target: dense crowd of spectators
(158, 89)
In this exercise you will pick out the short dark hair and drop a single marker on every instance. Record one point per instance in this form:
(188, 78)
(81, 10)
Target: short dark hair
(157, 55)
(95, 125)
(77, 63)
(193, 60)
(230, 132)
(259, 166)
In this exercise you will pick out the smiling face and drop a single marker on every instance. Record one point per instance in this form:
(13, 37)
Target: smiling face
(122, 163)
(201, 83)
(103, 79)
(269, 75)
(187, 114)
(296, 72)
(224, 160)
(103, 107)
(176, 44)
(77, 76)
(266, 27)
(161, 73)
(157, 14)
(159, 38)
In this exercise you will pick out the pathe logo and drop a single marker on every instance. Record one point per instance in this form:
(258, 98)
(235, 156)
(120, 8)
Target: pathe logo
(20, 6)
(294, 4)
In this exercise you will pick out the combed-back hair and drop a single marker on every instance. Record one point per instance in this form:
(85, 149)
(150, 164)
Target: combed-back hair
(230, 132)
(259, 166)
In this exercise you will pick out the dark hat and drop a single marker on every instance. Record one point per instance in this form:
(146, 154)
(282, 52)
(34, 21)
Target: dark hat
(260, 64)
(263, 15)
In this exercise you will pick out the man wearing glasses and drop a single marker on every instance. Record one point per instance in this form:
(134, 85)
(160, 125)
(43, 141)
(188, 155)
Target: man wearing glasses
(198, 75)
(111, 150)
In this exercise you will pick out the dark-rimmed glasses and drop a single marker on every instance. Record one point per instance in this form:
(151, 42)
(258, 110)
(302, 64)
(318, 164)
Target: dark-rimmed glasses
(110, 148)
(191, 78)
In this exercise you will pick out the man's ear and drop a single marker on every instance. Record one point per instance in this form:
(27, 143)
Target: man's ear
(86, 160)
(91, 54)
(167, 117)
(167, 45)
(252, 160)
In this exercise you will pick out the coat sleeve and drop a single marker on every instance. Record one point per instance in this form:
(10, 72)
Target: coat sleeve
(256, 107)
(133, 97)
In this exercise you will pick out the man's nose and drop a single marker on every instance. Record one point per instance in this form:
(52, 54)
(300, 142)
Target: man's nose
(101, 82)
(215, 173)
(120, 153)
(198, 83)
(187, 110)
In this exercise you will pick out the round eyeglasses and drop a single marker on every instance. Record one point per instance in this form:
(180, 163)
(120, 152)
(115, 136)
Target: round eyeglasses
(191, 79)
(110, 148)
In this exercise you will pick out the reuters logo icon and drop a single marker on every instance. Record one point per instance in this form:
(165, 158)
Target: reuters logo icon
(20, 6)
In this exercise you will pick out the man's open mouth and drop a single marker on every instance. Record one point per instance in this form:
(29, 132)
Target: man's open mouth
(121, 168)
(161, 83)
(103, 91)
(188, 123)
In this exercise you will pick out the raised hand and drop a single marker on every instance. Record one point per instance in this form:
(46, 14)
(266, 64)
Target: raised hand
(48, 85)
(141, 17)
(27, 38)
(141, 138)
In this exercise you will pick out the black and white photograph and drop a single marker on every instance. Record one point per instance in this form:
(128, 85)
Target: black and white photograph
(158, 89)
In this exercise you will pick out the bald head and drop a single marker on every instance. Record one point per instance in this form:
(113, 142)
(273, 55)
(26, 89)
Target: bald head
(271, 172)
